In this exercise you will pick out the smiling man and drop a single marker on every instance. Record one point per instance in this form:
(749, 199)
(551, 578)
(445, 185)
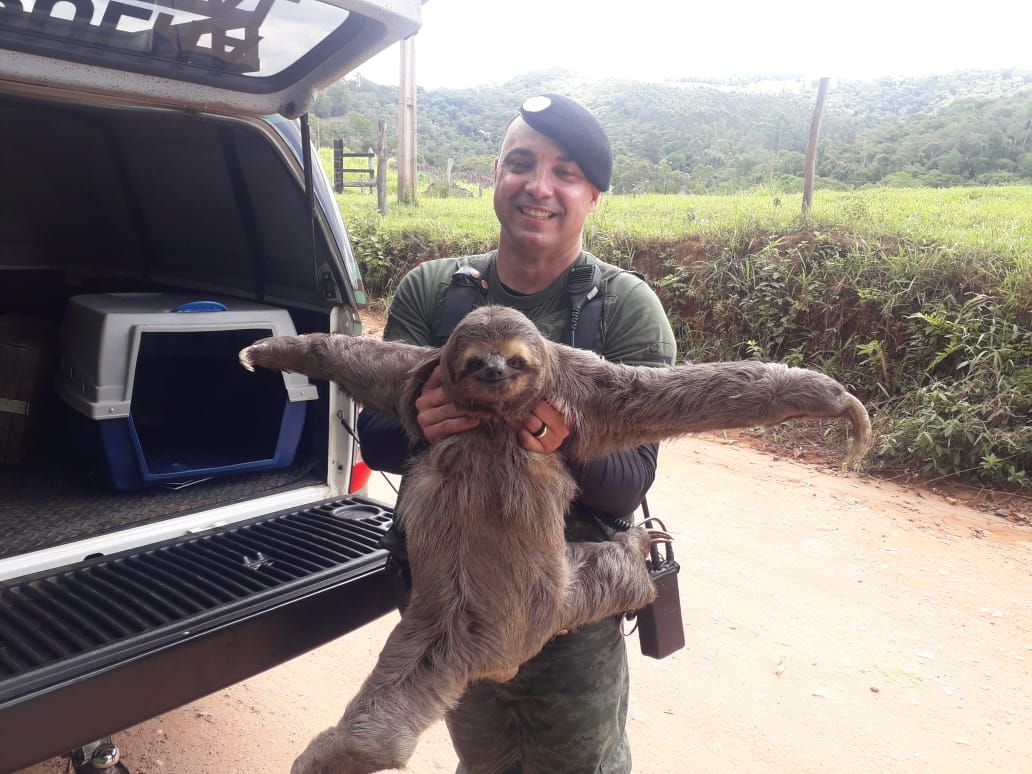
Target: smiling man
(565, 710)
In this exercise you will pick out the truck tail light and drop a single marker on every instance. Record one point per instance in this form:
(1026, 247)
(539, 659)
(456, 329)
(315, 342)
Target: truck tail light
(359, 476)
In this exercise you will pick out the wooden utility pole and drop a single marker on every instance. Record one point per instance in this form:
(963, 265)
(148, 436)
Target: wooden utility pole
(407, 123)
(810, 165)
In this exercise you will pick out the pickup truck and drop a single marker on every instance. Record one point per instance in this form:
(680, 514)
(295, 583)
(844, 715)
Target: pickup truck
(169, 523)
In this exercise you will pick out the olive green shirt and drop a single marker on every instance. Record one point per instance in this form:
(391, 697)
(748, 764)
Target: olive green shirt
(634, 328)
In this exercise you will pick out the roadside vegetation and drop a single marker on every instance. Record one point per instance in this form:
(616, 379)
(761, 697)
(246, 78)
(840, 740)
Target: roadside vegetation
(919, 300)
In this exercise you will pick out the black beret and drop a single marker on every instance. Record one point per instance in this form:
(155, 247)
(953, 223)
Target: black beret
(576, 131)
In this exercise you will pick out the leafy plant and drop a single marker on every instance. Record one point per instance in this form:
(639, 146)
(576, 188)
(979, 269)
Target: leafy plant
(972, 418)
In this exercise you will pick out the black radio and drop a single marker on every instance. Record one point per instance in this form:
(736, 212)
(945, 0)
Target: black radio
(660, 628)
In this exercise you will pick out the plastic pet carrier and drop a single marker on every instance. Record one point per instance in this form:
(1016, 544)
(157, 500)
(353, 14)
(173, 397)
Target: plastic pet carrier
(155, 386)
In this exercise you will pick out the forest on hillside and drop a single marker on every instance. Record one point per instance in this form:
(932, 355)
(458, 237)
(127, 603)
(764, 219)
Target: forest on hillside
(962, 128)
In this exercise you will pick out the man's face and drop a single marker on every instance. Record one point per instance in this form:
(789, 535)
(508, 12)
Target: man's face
(541, 196)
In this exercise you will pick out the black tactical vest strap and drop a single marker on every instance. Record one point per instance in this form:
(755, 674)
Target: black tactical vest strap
(466, 291)
(584, 286)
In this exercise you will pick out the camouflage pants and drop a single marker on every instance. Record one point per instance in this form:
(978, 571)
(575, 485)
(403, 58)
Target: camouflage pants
(563, 713)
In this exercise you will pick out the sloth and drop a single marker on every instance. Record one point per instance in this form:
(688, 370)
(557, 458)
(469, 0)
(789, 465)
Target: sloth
(493, 579)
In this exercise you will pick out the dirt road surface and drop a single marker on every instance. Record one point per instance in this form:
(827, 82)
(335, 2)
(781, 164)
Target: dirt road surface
(833, 623)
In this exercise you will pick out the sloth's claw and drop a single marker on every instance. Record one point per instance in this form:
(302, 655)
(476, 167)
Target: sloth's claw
(658, 537)
(648, 524)
(245, 359)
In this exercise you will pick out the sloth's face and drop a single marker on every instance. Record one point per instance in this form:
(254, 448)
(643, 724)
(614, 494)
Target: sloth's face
(494, 373)
(494, 361)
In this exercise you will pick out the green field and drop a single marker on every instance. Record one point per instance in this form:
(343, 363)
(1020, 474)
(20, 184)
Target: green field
(997, 220)
(920, 300)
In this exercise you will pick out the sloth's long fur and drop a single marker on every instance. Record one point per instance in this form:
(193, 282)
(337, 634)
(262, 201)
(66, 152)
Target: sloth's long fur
(492, 576)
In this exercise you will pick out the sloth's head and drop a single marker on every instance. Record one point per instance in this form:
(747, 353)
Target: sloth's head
(496, 360)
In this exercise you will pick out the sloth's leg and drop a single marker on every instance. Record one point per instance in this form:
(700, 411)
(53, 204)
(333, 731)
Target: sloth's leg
(608, 578)
(412, 686)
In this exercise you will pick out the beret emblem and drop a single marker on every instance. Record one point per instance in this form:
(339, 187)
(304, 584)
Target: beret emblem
(537, 104)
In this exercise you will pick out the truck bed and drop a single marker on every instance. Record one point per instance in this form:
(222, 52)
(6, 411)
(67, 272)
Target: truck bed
(44, 506)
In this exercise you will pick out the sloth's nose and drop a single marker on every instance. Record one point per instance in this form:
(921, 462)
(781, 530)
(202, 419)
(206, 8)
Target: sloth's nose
(493, 370)
(494, 367)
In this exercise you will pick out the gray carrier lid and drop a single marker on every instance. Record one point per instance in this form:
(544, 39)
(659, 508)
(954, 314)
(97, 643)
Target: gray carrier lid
(101, 335)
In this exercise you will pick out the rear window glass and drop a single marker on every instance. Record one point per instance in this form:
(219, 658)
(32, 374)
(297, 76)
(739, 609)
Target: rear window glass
(248, 45)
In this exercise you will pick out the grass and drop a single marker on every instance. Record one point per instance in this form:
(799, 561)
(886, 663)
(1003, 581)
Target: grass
(992, 220)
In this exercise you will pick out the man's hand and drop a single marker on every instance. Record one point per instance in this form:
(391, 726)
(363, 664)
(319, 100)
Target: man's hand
(544, 430)
(438, 417)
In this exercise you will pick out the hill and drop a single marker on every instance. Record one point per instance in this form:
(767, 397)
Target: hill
(709, 136)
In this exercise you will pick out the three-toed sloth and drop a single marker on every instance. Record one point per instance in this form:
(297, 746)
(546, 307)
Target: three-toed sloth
(493, 579)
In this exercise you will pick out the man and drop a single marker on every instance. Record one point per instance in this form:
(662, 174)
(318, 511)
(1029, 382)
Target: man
(566, 709)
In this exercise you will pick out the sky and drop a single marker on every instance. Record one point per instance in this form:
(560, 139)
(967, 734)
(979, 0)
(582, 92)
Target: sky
(465, 43)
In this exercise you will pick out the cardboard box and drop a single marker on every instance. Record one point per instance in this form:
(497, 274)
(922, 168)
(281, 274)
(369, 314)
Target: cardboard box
(28, 348)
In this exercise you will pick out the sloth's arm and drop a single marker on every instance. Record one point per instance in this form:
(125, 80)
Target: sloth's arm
(371, 371)
(617, 406)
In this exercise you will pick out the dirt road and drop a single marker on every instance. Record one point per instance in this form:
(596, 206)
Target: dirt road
(834, 624)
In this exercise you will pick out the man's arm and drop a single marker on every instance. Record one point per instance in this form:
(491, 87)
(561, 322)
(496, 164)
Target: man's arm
(385, 445)
(636, 332)
(617, 483)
